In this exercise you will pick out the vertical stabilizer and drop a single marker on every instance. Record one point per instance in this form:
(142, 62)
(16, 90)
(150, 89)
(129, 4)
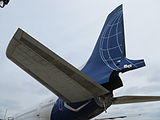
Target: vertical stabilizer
(109, 55)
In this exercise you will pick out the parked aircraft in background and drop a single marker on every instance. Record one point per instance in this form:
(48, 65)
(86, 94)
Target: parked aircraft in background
(82, 94)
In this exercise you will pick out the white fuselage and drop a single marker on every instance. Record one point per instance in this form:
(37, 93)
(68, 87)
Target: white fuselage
(39, 112)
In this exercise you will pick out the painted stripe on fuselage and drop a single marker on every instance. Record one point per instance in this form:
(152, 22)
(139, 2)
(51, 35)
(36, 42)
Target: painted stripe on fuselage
(66, 114)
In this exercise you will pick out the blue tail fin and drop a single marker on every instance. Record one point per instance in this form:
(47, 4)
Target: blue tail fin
(109, 56)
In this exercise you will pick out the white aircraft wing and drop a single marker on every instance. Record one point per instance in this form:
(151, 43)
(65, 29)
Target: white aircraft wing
(135, 99)
(53, 72)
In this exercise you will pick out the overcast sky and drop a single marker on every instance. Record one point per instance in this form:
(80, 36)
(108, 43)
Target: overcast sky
(70, 28)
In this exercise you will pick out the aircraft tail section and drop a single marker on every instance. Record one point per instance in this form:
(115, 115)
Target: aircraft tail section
(109, 55)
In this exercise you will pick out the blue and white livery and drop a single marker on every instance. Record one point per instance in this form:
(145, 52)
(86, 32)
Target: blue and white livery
(82, 94)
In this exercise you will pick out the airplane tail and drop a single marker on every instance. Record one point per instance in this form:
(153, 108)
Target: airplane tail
(109, 55)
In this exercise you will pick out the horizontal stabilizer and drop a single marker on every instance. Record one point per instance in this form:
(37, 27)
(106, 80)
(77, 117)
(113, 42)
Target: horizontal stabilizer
(135, 99)
(53, 72)
(124, 116)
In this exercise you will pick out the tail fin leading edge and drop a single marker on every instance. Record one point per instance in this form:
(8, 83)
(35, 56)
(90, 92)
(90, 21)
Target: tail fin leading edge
(109, 53)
